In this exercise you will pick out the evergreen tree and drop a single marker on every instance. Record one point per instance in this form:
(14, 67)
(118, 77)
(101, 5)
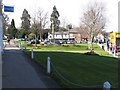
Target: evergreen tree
(5, 23)
(12, 29)
(54, 21)
(25, 22)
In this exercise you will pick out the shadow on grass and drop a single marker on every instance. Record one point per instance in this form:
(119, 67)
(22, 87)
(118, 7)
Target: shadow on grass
(80, 69)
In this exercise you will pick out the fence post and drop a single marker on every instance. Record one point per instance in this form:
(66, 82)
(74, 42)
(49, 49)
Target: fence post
(32, 54)
(106, 86)
(48, 65)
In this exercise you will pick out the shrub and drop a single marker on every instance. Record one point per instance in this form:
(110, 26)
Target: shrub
(91, 53)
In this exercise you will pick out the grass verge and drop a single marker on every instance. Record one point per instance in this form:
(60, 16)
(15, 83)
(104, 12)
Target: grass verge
(80, 69)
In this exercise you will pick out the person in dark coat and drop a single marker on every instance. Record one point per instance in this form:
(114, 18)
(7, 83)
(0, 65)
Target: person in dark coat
(108, 45)
(8, 40)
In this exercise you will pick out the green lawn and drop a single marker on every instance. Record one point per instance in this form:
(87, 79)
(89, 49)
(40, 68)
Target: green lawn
(80, 48)
(76, 68)
(77, 47)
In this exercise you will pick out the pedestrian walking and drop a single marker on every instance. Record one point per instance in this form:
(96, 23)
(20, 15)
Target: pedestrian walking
(8, 40)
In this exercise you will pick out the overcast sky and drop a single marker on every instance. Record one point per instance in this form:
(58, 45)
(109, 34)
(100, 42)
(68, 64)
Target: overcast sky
(71, 10)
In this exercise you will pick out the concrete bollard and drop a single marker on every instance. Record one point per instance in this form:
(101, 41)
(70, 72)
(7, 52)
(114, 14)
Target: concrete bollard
(4, 44)
(32, 54)
(25, 47)
(106, 86)
(48, 65)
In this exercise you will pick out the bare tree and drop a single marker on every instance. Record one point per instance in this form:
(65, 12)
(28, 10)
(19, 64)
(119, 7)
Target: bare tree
(93, 21)
(64, 24)
(40, 21)
(34, 30)
(34, 27)
(5, 23)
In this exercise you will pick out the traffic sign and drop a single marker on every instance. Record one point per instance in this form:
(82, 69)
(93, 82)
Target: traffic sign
(8, 9)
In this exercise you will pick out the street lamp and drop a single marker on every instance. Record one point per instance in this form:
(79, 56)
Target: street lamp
(69, 27)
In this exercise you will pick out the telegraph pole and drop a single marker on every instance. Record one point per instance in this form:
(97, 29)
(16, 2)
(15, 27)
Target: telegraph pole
(1, 44)
(1, 28)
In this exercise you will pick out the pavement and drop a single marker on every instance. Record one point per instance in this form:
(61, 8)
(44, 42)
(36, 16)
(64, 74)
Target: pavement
(19, 71)
(108, 51)
(0, 70)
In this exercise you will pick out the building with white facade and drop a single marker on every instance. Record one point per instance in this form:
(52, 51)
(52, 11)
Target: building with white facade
(61, 35)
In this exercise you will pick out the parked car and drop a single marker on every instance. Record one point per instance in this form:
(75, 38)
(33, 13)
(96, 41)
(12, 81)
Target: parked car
(71, 41)
(4, 38)
(24, 39)
(33, 41)
(46, 42)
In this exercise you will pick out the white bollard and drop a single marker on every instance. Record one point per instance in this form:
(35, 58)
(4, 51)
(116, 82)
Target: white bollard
(114, 52)
(106, 86)
(32, 54)
(48, 65)
(5, 44)
(20, 45)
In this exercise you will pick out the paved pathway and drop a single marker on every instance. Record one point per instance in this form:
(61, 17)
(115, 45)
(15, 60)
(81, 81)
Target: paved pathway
(0, 70)
(105, 48)
(19, 71)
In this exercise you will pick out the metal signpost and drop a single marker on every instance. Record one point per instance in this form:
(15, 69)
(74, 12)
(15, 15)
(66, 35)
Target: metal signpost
(6, 9)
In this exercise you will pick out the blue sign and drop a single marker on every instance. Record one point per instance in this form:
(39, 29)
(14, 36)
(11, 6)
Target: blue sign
(8, 9)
